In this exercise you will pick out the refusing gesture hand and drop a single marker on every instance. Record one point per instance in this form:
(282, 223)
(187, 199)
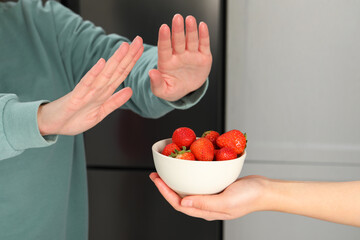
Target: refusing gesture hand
(93, 98)
(184, 60)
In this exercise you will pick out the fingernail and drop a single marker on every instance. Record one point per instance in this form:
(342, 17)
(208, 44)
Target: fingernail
(151, 178)
(164, 25)
(186, 203)
(136, 38)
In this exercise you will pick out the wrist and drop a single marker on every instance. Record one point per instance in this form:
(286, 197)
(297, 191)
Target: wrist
(273, 194)
(283, 196)
(266, 199)
(263, 195)
(43, 128)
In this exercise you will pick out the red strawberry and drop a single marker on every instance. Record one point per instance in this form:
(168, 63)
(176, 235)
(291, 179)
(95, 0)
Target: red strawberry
(170, 148)
(215, 151)
(183, 137)
(203, 149)
(183, 154)
(233, 139)
(225, 153)
(212, 136)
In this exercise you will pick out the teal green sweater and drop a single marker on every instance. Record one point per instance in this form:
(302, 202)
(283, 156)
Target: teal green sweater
(44, 52)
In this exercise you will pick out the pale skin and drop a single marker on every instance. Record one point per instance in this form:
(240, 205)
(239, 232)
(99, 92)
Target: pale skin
(337, 202)
(184, 63)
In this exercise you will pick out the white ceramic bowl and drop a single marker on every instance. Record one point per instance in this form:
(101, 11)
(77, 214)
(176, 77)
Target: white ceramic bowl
(188, 177)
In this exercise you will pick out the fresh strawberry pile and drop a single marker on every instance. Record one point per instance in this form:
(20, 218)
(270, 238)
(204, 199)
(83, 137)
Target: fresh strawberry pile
(211, 146)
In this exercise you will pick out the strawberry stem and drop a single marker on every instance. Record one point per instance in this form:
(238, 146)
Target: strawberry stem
(206, 133)
(177, 152)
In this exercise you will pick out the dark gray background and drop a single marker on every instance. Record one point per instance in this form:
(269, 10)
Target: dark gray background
(124, 203)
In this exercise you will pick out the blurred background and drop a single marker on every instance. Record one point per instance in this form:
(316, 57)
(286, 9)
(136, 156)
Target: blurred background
(293, 83)
(124, 203)
(285, 72)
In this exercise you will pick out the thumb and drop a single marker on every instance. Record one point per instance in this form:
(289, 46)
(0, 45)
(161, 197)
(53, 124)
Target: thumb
(157, 82)
(211, 203)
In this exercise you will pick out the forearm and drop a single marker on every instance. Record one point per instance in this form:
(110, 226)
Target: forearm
(331, 201)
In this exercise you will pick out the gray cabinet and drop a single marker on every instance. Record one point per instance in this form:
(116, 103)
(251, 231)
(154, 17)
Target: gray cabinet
(293, 85)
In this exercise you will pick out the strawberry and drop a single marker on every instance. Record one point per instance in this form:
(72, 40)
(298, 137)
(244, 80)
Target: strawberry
(212, 136)
(183, 154)
(233, 139)
(183, 137)
(225, 153)
(203, 149)
(170, 148)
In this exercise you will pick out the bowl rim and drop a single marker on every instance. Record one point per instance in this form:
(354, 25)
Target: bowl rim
(241, 157)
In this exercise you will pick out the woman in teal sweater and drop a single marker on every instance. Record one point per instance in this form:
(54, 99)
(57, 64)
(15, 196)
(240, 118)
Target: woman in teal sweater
(55, 84)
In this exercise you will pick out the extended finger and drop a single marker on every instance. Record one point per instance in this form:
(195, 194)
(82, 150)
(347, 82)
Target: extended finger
(164, 43)
(128, 59)
(129, 62)
(209, 207)
(192, 39)
(115, 101)
(178, 35)
(211, 203)
(204, 38)
(111, 65)
(83, 87)
(132, 62)
(207, 215)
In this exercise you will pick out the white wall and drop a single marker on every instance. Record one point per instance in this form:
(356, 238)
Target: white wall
(293, 84)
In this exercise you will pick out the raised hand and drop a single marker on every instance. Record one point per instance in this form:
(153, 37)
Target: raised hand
(93, 98)
(184, 59)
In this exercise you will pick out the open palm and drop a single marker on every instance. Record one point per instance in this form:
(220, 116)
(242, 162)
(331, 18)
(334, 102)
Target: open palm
(94, 97)
(184, 59)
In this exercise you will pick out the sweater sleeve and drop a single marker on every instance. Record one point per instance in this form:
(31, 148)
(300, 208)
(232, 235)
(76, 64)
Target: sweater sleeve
(18, 126)
(81, 44)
